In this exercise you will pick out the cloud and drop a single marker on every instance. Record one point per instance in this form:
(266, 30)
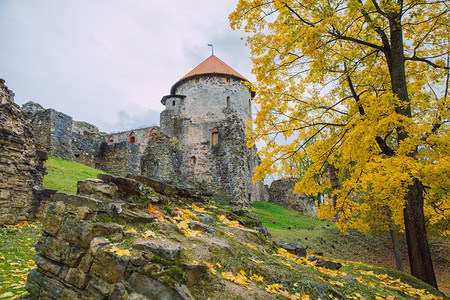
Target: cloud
(97, 60)
(131, 120)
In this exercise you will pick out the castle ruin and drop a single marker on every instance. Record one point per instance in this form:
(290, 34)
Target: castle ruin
(200, 143)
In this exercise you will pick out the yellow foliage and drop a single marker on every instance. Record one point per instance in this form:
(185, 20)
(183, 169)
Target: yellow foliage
(329, 95)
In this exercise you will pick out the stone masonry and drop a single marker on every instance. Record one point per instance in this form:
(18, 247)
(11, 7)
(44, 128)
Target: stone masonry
(281, 192)
(21, 163)
(75, 254)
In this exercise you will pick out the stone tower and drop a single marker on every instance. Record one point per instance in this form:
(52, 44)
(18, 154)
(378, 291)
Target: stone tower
(202, 138)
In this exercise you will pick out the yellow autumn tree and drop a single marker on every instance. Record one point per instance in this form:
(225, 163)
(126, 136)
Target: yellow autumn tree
(360, 85)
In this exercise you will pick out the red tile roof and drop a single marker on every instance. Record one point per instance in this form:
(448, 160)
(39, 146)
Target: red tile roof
(211, 65)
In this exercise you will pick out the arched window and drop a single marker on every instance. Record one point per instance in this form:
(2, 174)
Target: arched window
(193, 161)
(228, 101)
(173, 103)
(152, 134)
(132, 137)
(215, 138)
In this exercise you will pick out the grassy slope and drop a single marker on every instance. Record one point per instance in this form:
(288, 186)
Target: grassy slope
(16, 257)
(318, 236)
(63, 175)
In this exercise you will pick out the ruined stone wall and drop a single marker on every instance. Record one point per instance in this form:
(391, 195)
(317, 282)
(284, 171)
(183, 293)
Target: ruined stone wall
(281, 192)
(189, 158)
(162, 160)
(119, 158)
(6, 95)
(62, 137)
(21, 164)
(140, 136)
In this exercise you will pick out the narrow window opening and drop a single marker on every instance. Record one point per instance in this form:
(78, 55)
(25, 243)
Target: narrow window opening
(215, 138)
(228, 101)
(152, 134)
(132, 137)
(193, 161)
(173, 102)
(197, 80)
(228, 79)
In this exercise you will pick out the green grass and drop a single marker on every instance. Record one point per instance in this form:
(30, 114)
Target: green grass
(278, 217)
(63, 175)
(16, 257)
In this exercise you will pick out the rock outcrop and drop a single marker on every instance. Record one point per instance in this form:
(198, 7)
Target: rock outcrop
(121, 239)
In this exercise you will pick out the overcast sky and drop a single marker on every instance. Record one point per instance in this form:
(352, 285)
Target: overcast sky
(109, 62)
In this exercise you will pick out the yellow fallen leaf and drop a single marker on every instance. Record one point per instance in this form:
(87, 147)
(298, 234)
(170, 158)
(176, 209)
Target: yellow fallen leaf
(336, 283)
(119, 252)
(148, 233)
(132, 230)
(288, 265)
(229, 276)
(197, 209)
(255, 261)
(210, 268)
(218, 265)
(153, 211)
(257, 278)
(251, 246)
(275, 286)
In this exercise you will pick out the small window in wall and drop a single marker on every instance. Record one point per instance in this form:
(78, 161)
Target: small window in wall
(197, 80)
(173, 102)
(132, 137)
(193, 161)
(215, 138)
(152, 134)
(228, 101)
(228, 79)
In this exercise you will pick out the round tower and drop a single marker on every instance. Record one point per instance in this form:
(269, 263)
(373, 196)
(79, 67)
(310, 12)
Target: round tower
(203, 94)
(204, 118)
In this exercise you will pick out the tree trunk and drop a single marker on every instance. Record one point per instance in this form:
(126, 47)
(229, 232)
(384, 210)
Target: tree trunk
(395, 245)
(416, 235)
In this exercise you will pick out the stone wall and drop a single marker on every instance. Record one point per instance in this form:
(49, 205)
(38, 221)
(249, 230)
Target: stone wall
(6, 95)
(281, 192)
(140, 136)
(21, 163)
(188, 157)
(63, 137)
(119, 158)
(75, 255)
(162, 160)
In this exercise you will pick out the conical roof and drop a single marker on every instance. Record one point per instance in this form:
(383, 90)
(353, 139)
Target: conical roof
(211, 65)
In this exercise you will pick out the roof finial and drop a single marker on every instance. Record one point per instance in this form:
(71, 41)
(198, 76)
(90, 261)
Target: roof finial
(212, 49)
